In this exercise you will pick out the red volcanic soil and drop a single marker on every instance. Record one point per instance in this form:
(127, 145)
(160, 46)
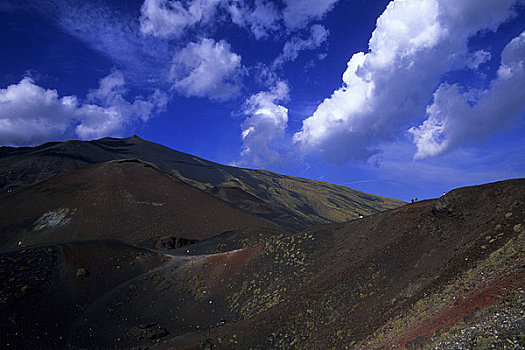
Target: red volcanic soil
(128, 200)
(220, 266)
(467, 304)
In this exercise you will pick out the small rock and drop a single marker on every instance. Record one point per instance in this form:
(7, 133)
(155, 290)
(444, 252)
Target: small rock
(207, 345)
(417, 343)
(147, 331)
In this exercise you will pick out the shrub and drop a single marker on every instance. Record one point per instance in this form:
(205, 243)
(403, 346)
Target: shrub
(81, 272)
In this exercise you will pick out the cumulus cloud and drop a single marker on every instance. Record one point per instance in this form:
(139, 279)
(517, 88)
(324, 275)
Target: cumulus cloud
(298, 13)
(207, 69)
(291, 49)
(457, 117)
(262, 18)
(478, 58)
(415, 42)
(107, 112)
(171, 18)
(30, 114)
(166, 18)
(265, 125)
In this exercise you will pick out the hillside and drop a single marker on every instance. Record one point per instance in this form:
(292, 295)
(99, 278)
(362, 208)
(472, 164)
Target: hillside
(43, 289)
(128, 200)
(444, 273)
(420, 275)
(292, 202)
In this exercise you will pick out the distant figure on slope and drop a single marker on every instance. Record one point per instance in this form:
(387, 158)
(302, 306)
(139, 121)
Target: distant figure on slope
(19, 244)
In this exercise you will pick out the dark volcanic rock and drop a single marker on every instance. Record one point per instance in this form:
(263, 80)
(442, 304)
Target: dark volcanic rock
(207, 345)
(418, 343)
(147, 331)
(173, 242)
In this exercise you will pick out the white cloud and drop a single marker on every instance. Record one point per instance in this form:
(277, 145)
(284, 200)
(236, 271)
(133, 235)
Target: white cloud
(298, 13)
(166, 18)
(457, 117)
(207, 69)
(265, 125)
(262, 18)
(30, 114)
(170, 18)
(414, 44)
(111, 88)
(291, 49)
(477, 58)
(109, 113)
(430, 178)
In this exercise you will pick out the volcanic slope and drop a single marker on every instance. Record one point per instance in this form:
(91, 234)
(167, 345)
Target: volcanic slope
(414, 276)
(417, 276)
(128, 200)
(44, 288)
(289, 201)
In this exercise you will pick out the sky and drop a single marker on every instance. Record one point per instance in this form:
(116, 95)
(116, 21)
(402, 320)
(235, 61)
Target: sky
(403, 98)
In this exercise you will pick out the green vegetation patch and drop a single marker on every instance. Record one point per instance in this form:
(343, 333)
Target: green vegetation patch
(282, 266)
(423, 309)
(82, 272)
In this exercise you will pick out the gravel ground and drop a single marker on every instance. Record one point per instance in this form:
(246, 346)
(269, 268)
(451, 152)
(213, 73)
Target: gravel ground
(498, 330)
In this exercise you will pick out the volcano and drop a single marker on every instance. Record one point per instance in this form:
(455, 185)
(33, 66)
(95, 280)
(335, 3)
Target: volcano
(128, 244)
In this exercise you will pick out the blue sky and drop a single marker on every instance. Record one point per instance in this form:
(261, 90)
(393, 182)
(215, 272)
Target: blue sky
(399, 98)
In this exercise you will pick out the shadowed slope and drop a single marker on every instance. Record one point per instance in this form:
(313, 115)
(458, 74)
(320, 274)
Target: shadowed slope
(45, 288)
(289, 201)
(128, 200)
